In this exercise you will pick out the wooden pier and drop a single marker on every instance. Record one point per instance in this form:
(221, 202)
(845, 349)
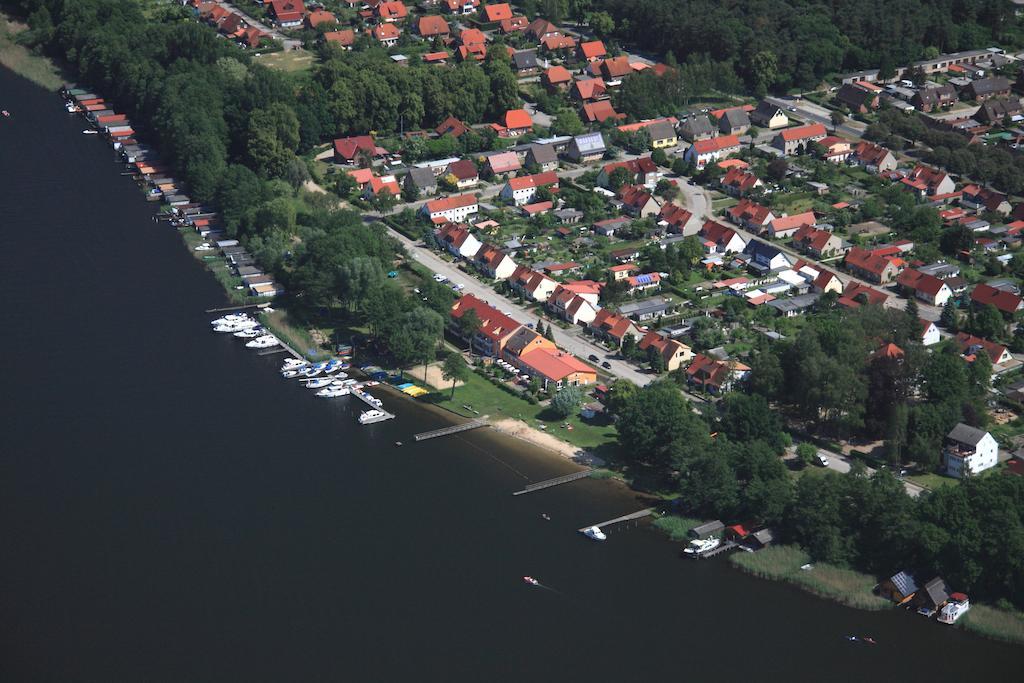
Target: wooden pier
(548, 483)
(454, 429)
(366, 398)
(625, 518)
(237, 308)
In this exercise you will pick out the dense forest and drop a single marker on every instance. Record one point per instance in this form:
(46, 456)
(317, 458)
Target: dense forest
(726, 463)
(775, 45)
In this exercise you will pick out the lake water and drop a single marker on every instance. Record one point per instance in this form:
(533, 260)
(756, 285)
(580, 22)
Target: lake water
(172, 510)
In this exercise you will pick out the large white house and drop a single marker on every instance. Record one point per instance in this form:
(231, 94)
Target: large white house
(968, 451)
(523, 190)
(455, 208)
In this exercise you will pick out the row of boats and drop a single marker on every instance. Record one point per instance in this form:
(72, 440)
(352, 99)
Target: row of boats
(329, 380)
(243, 326)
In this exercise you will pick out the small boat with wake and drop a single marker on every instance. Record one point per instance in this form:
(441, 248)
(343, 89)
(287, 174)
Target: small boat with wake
(530, 580)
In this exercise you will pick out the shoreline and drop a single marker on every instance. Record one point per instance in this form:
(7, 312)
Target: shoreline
(564, 450)
(39, 69)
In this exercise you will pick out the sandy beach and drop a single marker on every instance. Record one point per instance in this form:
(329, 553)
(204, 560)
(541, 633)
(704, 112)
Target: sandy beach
(523, 431)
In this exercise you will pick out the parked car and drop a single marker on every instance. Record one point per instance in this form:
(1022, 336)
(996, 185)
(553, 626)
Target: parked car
(606, 365)
(821, 459)
(592, 358)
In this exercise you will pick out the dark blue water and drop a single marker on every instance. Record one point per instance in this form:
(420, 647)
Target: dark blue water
(171, 510)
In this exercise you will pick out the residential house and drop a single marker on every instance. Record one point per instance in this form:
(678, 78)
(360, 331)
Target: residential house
(613, 327)
(287, 13)
(734, 122)
(532, 285)
(556, 78)
(794, 305)
(930, 99)
(826, 282)
(495, 330)
(834, 149)
(712, 149)
(513, 25)
(497, 12)
(614, 69)
(721, 239)
(984, 199)
(524, 62)
(347, 150)
(859, 97)
(715, 376)
(472, 45)
(345, 38)
(514, 123)
(625, 254)
(739, 182)
(792, 141)
(1007, 302)
(874, 158)
(817, 243)
(927, 288)
(768, 115)
(638, 201)
(642, 171)
(494, 263)
(555, 367)
(503, 162)
(648, 309)
(458, 240)
(571, 307)
(380, 184)
(764, 258)
(319, 17)
(926, 181)
(984, 88)
(622, 271)
(663, 134)
(421, 180)
(591, 51)
(386, 34)
(787, 226)
(600, 111)
(608, 226)
(868, 265)
(461, 6)
(433, 26)
(544, 157)
(675, 217)
(451, 126)
(455, 208)
(523, 190)
(464, 172)
(523, 341)
(563, 45)
(968, 451)
(391, 11)
(929, 333)
(673, 354)
(586, 148)
(970, 346)
(999, 109)
(900, 588)
(750, 215)
(856, 294)
(931, 597)
(696, 128)
(643, 282)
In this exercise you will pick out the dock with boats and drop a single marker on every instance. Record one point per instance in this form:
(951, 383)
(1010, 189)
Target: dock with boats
(639, 514)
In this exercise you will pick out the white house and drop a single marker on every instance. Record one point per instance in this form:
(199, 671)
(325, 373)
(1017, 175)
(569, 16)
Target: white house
(455, 208)
(701, 152)
(523, 190)
(968, 451)
(929, 333)
(458, 240)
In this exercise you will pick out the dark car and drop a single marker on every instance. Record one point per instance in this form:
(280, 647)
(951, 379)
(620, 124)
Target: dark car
(593, 358)
(606, 365)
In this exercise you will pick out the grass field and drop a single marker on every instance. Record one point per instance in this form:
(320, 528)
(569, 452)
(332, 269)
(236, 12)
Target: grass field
(21, 61)
(995, 623)
(931, 481)
(677, 528)
(287, 60)
(783, 562)
(486, 399)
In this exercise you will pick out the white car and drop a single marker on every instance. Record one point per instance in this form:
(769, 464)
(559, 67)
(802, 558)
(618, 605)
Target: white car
(440, 278)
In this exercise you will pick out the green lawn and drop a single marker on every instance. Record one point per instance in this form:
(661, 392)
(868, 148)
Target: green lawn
(931, 481)
(486, 399)
(287, 60)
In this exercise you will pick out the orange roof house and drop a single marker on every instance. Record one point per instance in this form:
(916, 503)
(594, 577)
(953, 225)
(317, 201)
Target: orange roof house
(344, 38)
(319, 16)
(498, 12)
(392, 11)
(592, 50)
(556, 78)
(432, 25)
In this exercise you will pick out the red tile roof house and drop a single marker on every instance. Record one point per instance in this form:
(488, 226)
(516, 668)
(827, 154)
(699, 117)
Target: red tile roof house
(874, 158)
(600, 111)
(818, 243)
(432, 26)
(377, 185)
(835, 149)
(673, 354)
(563, 44)
(675, 217)
(588, 90)
(793, 141)
(927, 288)
(556, 78)
(1007, 302)
(715, 376)
(458, 240)
(514, 123)
(532, 285)
(571, 307)
(456, 208)
(750, 215)
(513, 25)
(554, 366)
(318, 17)
(287, 13)
(591, 51)
(970, 346)
(869, 266)
(614, 69)
(348, 150)
(721, 239)
(638, 201)
(643, 171)
(461, 6)
(539, 29)
(465, 173)
(495, 330)
(523, 190)
(451, 126)
(715, 149)
(613, 327)
(738, 182)
(926, 181)
(857, 294)
(643, 282)
(503, 162)
(984, 199)
(496, 13)
(386, 34)
(787, 226)
(622, 271)
(390, 12)
(344, 38)
(494, 263)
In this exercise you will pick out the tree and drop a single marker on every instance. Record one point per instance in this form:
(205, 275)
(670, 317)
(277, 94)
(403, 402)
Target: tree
(988, 323)
(602, 24)
(417, 336)
(950, 319)
(384, 201)
(837, 118)
(456, 369)
(778, 168)
(469, 324)
(567, 122)
(659, 157)
(549, 333)
(345, 184)
(619, 177)
(657, 426)
(912, 310)
(806, 452)
(566, 400)
(748, 418)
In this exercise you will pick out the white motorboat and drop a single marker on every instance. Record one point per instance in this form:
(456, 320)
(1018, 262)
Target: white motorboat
(90, 132)
(311, 371)
(319, 383)
(290, 374)
(595, 533)
(344, 382)
(264, 342)
(332, 392)
(954, 609)
(230, 319)
(371, 416)
(204, 247)
(250, 333)
(700, 546)
(235, 327)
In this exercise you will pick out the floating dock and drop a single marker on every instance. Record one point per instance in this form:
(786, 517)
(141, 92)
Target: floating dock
(548, 483)
(625, 518)
(371, 401)
(454, 429)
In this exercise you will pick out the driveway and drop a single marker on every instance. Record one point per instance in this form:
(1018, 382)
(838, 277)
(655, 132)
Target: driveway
(842, 464)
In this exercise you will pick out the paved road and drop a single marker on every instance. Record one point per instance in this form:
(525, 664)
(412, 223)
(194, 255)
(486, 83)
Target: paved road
(842, 464)
(818, 114)
(288, 43)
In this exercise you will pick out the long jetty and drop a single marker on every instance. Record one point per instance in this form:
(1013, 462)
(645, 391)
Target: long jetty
(625, 518)
(548, 483)
(454, 429)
